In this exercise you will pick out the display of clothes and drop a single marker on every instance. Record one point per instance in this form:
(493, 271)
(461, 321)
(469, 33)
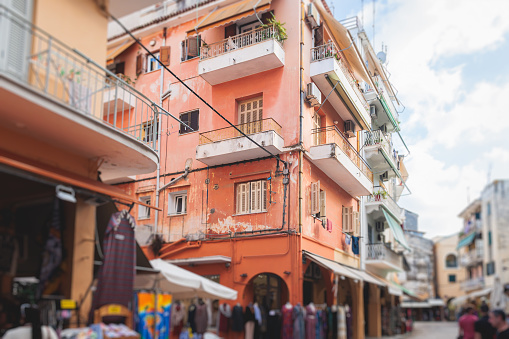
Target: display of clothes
(349, 324)
(178, 314)
(287, 321)
(237, 318)
(249, 319)
(342, 331)
(190, 318)
(224, 315)
(298, 322)
(274, 324)
(201, 317)
(355, 245)
(310, 321)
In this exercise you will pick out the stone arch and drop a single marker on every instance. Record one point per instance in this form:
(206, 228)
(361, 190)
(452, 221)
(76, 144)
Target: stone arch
(451, 260)
(267, 289)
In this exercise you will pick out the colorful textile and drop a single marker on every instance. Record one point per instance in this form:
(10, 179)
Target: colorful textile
(287, 322)
(355, 245)
(329, 225)
(348, 239)
(318, 325)
(145, 317)
(310, 322)
(52, 255)
(163, 316)
(298, 322)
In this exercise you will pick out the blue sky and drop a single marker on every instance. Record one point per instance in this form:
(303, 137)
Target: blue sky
(449, 59)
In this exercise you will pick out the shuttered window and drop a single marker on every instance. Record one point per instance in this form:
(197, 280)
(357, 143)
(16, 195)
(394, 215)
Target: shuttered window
(140, 64)
(164, 55)
(315, 197)
(190, 48)
(356, 225)
(251, 197)
(250, 115)
(191, 119)
(322, 204)
(347, 219)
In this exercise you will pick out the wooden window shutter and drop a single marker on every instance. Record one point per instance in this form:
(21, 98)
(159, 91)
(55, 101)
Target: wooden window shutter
(183, 50)
(315, 197)
(322, 204)
(264, 195)
(164, 55)
(319, 36)
(254, 196)
(347, 219)
(139, 64)
(242, 198)
(356, 223)
(192, 47)
(230, 30)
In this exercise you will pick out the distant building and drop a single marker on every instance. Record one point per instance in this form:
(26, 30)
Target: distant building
(411, 221)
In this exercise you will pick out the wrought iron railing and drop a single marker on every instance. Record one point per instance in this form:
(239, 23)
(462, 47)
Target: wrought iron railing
(35, 58)
(378, 137)
(239, 41)
(226, 133)
(381, 194)
(380, 251)
(329, 50)
(332, 135)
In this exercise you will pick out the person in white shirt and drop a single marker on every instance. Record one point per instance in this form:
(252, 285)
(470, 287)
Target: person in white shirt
(32, 328)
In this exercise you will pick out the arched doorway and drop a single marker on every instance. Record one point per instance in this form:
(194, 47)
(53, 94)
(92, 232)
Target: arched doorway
(268, 290)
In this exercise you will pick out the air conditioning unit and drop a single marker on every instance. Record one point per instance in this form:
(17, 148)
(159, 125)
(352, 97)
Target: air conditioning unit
(372, 111)
(312, 16)
(383, 128)
(379, 226)
(384, 176)
(350, 128)
(313, 95)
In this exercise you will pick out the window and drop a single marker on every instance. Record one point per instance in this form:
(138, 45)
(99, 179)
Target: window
(191, 119)
(177, 203)
(152, 63)
(150, 130)
(315, 198)
(250, 115)
(452, 278)
(144, 211)
(317, 122)
(451, 261)
(190, 48)
(347, 219)
(490, 268)
(488, 207)
(251, 197)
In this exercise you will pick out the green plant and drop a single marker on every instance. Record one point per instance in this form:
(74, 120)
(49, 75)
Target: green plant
(380, 194)
(127, 79)
(279, 29)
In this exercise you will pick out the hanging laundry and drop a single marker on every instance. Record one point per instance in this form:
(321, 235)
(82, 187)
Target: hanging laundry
(348, 239)
(329, 225)
(355, 245)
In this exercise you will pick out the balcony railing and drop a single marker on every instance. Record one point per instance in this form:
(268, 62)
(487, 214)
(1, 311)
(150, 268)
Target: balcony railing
(379, 251)
(378, 137)
(378, 196)
(226, 133)
(239, 41)
(472, 284)
(329, 50)
(332, 135)
(63, 74)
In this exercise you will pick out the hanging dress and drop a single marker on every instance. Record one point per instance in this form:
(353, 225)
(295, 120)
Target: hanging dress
(310, 322)
(298, 322)
(287, 322)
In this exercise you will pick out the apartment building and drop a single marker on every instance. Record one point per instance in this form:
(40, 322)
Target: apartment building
(281, 222)
(59, 141)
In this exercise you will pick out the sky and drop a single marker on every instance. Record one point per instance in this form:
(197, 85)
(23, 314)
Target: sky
(449, 61)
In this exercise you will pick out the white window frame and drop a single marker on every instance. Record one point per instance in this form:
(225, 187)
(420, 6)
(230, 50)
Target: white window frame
(151, 63)
(251, 197)
(143, 211)
(172, 202)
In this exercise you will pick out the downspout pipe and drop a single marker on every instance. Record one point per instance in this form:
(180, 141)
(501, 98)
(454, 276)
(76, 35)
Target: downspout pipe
(174, 181)
(301, 113)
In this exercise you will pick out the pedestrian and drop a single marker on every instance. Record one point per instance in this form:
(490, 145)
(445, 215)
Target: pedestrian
(497, 320)
(483, 328)
(467, 322)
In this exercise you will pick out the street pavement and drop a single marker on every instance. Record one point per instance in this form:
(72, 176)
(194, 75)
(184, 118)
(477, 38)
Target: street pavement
(431, 330)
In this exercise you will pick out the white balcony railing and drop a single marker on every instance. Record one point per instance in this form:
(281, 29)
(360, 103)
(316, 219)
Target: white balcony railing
(380, 194)
(240, 41)
(472, 284)
(48, 66)
(379, 251)
(378, 137)
(329, 50)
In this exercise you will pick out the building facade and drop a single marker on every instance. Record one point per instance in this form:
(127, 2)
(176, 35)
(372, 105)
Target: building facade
(271, 205)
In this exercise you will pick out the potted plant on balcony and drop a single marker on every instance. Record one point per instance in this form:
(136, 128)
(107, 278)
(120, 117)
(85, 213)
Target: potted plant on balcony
(380, 194)
(279, 29)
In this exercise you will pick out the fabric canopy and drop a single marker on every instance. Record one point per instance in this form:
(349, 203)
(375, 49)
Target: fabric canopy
(111, 54)
(335, 267)
(345, 42)
(231, 13)
(466, 241)
(181, 283)
(399, 236)
(369, 278)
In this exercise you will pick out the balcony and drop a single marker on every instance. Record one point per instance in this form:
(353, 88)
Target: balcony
(241, 55)
(55, 94)
(381, 258)
(472, 258)
(227, 145)
(327, 68)
(386, 113)
(339, 160)
(472, 284)
(379, 152)
(381, 198)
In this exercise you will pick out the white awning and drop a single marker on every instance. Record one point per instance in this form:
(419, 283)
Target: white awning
(181, 283)
(369, 278)
(334, 266)
(212, 259)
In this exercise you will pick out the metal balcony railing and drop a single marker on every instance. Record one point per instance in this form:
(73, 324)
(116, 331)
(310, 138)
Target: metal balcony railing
(332, 135)
(329, 50)
(378, 196)
(239, 41)
(379, 251)
(383, 139)
(473, 283)
(35, 58)
(226, 133)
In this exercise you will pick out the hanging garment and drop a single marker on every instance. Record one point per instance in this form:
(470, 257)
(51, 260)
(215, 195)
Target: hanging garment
(318, 325)
(263, 326)
(348, 239)
(190, 318)
(310, 322)
(237, 319)
(355, 245)
(258, 320)
(225, 313)
(349, 325)
(324, 326)
(334, 325)
(329, 225)
(249, 326)
(298, 322)
(115, 281)
(201, 318)
(52, 255)
(341, 319)
(163, 316)
(178, 313)
(145, 314)
(274, 325)
(288, 326)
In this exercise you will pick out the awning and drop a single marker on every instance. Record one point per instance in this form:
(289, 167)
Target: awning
(335, 267)
(481, 293)
(436, 302)
(369, 278)
(399, 236)
(114, 52)
(231, 13)
(345, 41)
(61, 176)
(181, 283)
(466, 240)
(212, 259)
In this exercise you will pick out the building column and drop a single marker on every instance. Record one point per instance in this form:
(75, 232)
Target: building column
(374, 312)
(357, 309)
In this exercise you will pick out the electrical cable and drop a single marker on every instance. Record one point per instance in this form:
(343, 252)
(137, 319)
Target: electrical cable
(193, 92)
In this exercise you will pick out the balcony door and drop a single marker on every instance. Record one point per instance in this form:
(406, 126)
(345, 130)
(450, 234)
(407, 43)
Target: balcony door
(249, 39)
(251, 115)
(317, 124)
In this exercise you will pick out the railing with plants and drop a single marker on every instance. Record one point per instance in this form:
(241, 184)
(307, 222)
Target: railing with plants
(226, 133)
(329, 50)
(380, 194)
(378, 137)
(63, 74)
(233, 43)
(332, 135)
(380, 251)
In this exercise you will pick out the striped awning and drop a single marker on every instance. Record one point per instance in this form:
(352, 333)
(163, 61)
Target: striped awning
(466, 241)
(396, 229)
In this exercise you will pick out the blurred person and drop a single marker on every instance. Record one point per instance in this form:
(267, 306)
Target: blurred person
(483, 328)
(32, 328)
(497, 320)
(467, 322)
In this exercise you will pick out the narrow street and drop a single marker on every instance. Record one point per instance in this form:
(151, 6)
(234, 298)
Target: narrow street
(435, 330)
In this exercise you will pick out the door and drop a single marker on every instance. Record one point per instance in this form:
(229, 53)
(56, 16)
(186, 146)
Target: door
(317, 136)
(14, 50)
(250, 39)
(250, 115)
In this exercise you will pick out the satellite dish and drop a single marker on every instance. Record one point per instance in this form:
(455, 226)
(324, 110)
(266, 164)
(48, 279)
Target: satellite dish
(382, 56)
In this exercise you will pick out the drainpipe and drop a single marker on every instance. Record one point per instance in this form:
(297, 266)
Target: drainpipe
(301, 116)
(159, 130)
